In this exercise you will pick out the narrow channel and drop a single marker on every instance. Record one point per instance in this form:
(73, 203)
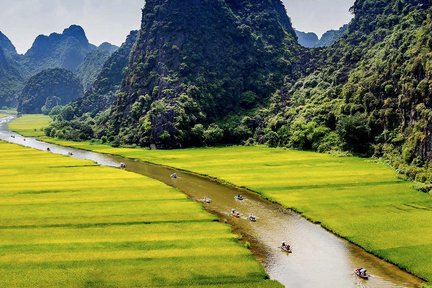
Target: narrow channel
(319, 258)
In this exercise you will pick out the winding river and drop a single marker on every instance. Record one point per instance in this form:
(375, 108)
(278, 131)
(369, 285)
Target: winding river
(319, 258)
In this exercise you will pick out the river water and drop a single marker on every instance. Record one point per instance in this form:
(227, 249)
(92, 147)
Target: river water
(319, 258)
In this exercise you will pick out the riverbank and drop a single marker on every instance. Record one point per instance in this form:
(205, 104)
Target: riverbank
(72, 223)
(359, 199)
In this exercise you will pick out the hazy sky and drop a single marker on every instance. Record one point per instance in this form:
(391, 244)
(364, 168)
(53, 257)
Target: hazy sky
(111, 20)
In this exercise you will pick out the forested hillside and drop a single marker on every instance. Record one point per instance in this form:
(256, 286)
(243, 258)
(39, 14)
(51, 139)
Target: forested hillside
(372, 93)
(92, 64)
(11, 79)
(48, 89)
(204, 73)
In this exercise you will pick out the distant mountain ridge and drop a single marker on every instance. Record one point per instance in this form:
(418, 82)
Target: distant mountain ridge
(7, 45)
(311, 40)
(68, 50)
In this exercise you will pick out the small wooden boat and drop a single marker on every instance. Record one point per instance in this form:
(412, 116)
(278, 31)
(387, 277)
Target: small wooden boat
(362, 273)
(235, 214)
(239, 197)
(206, 200)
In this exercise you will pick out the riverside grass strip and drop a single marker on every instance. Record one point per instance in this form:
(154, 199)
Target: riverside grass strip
(71, 223)
(359, 199)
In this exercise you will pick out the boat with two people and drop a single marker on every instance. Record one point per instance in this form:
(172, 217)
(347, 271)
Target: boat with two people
(362, 273)
(286, 248)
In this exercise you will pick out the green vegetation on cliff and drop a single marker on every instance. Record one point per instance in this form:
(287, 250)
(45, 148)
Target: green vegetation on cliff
(194, 63)
(371, 94)
(205, 73)
(48, 89)
(91, 67)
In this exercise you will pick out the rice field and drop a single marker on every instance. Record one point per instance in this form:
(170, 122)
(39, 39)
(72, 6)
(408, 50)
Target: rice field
(71, 223)
(361, 200)
(30, 125)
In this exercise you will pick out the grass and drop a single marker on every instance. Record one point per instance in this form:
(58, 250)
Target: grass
(71, 223)
(8, 111)
(30, 125)
(359, 199)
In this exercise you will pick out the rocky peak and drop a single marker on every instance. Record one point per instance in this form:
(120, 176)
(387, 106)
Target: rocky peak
(7, 45)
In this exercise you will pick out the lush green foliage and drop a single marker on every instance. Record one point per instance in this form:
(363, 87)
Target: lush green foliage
(183, 75)
(11, 80)
(48, 89)
(71, 223)
(372, 92)
(368, 94)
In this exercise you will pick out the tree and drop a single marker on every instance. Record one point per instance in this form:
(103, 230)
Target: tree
(354, 130)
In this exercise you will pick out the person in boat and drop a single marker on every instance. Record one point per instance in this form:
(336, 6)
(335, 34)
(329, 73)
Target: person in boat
(174, 176)
(48, 149)
(70, 154)
(252, 218)
(361, 272)
(122, 165)
(235, 213)
(285, 246)
(239, 197)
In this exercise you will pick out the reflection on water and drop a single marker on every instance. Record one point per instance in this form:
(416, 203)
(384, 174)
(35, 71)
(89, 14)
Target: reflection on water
(319, 258)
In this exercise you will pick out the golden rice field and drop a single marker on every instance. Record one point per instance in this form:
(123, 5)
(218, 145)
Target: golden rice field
(71, 223)
(359, 199)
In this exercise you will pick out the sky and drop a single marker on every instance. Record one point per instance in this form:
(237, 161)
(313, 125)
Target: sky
(112, 20)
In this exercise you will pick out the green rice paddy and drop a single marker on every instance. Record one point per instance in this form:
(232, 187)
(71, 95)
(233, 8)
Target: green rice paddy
(361, 200)
(358, 199)
(71, 223)
(30, 125)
